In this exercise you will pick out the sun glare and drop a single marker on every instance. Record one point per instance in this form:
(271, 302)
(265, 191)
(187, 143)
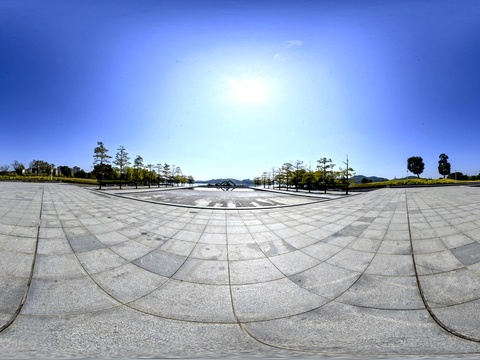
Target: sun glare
(249, 91)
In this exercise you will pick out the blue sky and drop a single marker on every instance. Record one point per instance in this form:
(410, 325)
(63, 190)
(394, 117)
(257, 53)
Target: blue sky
(234, 88)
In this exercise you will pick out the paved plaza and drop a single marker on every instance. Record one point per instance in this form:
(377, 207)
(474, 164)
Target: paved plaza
(131, 273)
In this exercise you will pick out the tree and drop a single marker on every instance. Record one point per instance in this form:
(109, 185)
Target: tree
(4, 169)
(176, 174)
(65, 171)
(137, 164)
(297, 176)
(101, 158)
(40, 166)
(443, 165)
(308, 179)
(80, 174)
(105, 171)
(122, 160)
(324, 168)
(159, 173)
(150, 166)
(415, 165)
(190, 180)
(166, 173)
(18, 167)
(287, 169)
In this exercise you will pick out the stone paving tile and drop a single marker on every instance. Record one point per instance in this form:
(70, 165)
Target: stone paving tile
(384, 292)
(326, 280)
(63, 296)
(198, 302)
(272, 299)
(328, 330)
(128, 282)
(328, 276)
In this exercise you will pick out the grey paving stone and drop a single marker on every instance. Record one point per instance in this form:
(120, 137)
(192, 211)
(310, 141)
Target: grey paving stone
(393, 265)
(351, 259)
(17, 244)
(128, 282)
(58, 266)
(244, 252)
(85, 243)
(160, 262)
(384, 292)
(468, 254)
(100, 260)
(214, 272)
(273, 299)
(209, 252)
(168, 279)
(451, 288)
(253, 271)
(60, 296)
(463, 318)
(436, 262)
(182, 300)
(326, 280)
(328, 330)
(275, 247)
(131, 250)
(427, 246)
(12, 290)
(15, 263)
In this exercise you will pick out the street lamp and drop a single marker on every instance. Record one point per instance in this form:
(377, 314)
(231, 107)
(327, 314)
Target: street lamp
(346, 163)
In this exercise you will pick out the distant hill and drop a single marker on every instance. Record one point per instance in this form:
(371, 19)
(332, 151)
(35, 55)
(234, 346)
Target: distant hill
(358, 178)
(244, 182)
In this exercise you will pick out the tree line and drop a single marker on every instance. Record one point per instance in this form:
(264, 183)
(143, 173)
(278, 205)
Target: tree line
(137, 173)
(295, 174)
(121, 173)
(416, 166)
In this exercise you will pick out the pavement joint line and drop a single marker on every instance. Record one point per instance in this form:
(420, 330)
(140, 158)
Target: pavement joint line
(397, 212)
(14, 316)
(422, 294)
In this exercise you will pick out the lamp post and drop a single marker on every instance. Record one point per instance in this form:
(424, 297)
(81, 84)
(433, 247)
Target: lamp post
(346, 189)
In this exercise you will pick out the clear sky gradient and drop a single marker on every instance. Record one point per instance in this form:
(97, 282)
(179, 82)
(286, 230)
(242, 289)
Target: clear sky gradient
(233, 88)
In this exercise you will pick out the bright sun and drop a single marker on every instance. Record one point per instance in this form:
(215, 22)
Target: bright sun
(249, 91)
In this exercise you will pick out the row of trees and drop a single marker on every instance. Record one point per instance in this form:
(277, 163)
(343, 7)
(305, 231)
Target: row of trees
(138, 173)
(296, 174)
(416, 166)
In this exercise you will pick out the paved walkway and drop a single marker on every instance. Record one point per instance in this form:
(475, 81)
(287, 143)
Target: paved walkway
(85, 273)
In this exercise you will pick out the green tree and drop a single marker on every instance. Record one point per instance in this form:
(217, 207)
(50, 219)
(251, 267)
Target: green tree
(415, 165)
(129, 175)
(166, 173)
(287, 170)
(40, 167)
(443, 165)
(324, 165)
(4, 169)
(18, 167)
(308, 179)
(80, 174)
(190, 180)
(298, 174)
(150, 166)
(138, 165)
(159, 173)
(100, 159)
(65, 171)
(122, 160)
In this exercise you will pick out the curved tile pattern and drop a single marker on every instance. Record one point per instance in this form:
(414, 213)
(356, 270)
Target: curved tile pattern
(326, 276)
